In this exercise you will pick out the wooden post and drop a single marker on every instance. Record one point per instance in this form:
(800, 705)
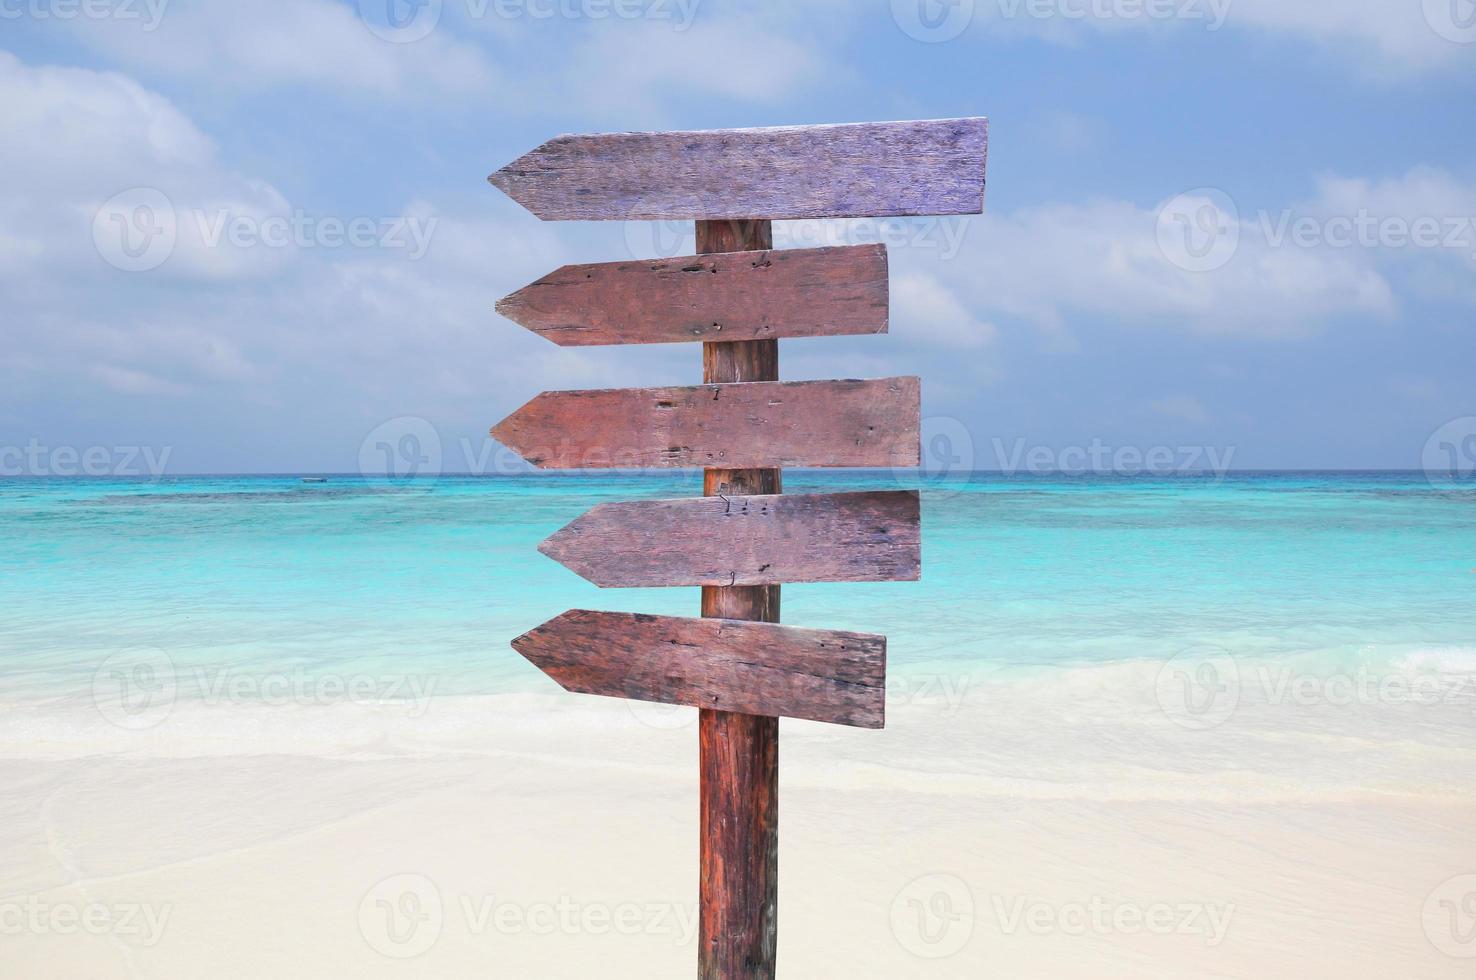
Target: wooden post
(739, 753)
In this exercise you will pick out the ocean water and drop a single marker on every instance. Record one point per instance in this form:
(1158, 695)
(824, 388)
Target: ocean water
(357, 577)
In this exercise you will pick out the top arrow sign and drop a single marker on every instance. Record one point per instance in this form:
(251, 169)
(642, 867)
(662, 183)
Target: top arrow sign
(848, 171)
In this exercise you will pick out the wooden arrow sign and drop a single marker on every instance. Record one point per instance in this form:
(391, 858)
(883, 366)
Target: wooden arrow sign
(857, 170)
(756, 540)
(723, 664)
(756, 424)
(811, 292)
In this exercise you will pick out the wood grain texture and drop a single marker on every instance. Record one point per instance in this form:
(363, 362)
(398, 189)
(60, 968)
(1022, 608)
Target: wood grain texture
(855, 170)
(738, 922)
(723, 664)
(738, 754)
(733, 426)
(871, 536)
(810, 292)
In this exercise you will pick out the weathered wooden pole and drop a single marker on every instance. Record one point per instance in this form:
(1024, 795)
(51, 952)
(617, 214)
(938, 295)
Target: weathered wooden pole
(739, 916)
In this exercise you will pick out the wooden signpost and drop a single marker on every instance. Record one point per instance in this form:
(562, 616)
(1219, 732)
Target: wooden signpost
(742, 425)
(778, 423)
(809, 292)
(756, 540)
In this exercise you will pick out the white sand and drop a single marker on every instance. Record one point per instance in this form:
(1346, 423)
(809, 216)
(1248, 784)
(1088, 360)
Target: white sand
(1056, 827)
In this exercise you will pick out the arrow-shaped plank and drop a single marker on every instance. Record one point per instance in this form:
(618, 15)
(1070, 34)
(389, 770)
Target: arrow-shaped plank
(755, 540)
(724, 664)
(735, 426)
(858, 170)
(808, 292)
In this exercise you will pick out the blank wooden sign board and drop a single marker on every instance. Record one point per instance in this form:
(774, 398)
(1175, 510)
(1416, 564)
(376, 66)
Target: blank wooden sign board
(742, 425)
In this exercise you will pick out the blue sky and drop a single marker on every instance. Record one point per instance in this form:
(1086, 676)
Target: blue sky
(1242, 226)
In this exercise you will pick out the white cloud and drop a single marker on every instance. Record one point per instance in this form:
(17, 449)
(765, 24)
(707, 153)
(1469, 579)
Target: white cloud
(923, 308)
(639, 68)
(636, 66)
(1052, 264)
(1282, 273)
(267, 43)
(1382, 37)
(1420, 227)
(1421, 192)
(75, 140)
(212, 317)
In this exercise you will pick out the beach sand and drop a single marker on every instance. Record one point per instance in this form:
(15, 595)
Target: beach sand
(1056, 825)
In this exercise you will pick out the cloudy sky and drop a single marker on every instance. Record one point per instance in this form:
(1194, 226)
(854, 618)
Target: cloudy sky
(258, 236)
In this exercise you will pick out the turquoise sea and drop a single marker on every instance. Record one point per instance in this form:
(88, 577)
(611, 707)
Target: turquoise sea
(357, 576)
